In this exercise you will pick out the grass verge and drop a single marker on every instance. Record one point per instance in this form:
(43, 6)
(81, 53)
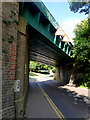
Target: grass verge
(32, 74)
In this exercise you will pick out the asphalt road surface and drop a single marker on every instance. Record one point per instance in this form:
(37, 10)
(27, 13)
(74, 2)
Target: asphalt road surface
(68, 102)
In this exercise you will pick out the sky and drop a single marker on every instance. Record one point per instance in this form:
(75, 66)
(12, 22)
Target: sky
(66, 18)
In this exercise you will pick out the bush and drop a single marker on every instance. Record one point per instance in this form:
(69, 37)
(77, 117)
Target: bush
(83, 81)
(88, 84)
(54, 77)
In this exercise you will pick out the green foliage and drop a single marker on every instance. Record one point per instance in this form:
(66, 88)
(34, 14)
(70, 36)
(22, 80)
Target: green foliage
(79, 6)
(81, 51)
(36, 67)
(83, 81)
(7, 22)
(54, 77)
(10, 39)
(4, 51)
(13, 12)
(53, 69)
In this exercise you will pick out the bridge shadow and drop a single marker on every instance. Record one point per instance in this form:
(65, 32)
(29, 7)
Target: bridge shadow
(57, 86)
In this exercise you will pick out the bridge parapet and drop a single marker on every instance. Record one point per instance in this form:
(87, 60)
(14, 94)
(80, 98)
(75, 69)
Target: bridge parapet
(47, 14)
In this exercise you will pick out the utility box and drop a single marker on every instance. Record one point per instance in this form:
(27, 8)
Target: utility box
(17, 86)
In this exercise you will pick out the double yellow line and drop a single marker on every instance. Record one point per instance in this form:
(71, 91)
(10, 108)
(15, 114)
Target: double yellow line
(59, 114)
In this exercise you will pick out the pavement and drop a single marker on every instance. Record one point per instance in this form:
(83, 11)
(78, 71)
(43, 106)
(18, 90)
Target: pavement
(37, 106)
(80, 91)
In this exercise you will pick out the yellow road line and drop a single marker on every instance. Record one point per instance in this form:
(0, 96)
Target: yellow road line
(59, 114)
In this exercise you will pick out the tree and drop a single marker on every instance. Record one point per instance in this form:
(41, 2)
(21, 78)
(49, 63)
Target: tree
(35, 66)
(79, 6)
(81, 49)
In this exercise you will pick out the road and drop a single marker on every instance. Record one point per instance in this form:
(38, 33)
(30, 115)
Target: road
(68, 102)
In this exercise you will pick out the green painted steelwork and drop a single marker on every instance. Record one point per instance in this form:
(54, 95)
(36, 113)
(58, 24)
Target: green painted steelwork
(39, 17)
(55, 39)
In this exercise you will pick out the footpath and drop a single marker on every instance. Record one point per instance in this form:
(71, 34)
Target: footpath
(78, 90)
(37, 105)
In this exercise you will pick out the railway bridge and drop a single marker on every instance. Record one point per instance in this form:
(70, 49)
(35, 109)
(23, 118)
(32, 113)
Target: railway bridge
(28, 33)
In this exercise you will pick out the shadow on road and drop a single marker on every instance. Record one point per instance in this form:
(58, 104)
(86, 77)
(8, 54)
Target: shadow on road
(69, 102)
(77, 99)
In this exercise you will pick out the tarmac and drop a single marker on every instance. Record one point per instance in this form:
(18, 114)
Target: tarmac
(38, 106)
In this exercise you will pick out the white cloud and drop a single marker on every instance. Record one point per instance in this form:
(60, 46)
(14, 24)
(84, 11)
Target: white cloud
(69, 25)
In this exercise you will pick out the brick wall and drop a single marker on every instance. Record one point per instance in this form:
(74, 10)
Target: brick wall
(22, 70)
(0, 60)
(15, 55)
(9, 47)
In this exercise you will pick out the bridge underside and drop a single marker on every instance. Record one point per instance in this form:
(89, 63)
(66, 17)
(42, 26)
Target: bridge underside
(44, 51)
